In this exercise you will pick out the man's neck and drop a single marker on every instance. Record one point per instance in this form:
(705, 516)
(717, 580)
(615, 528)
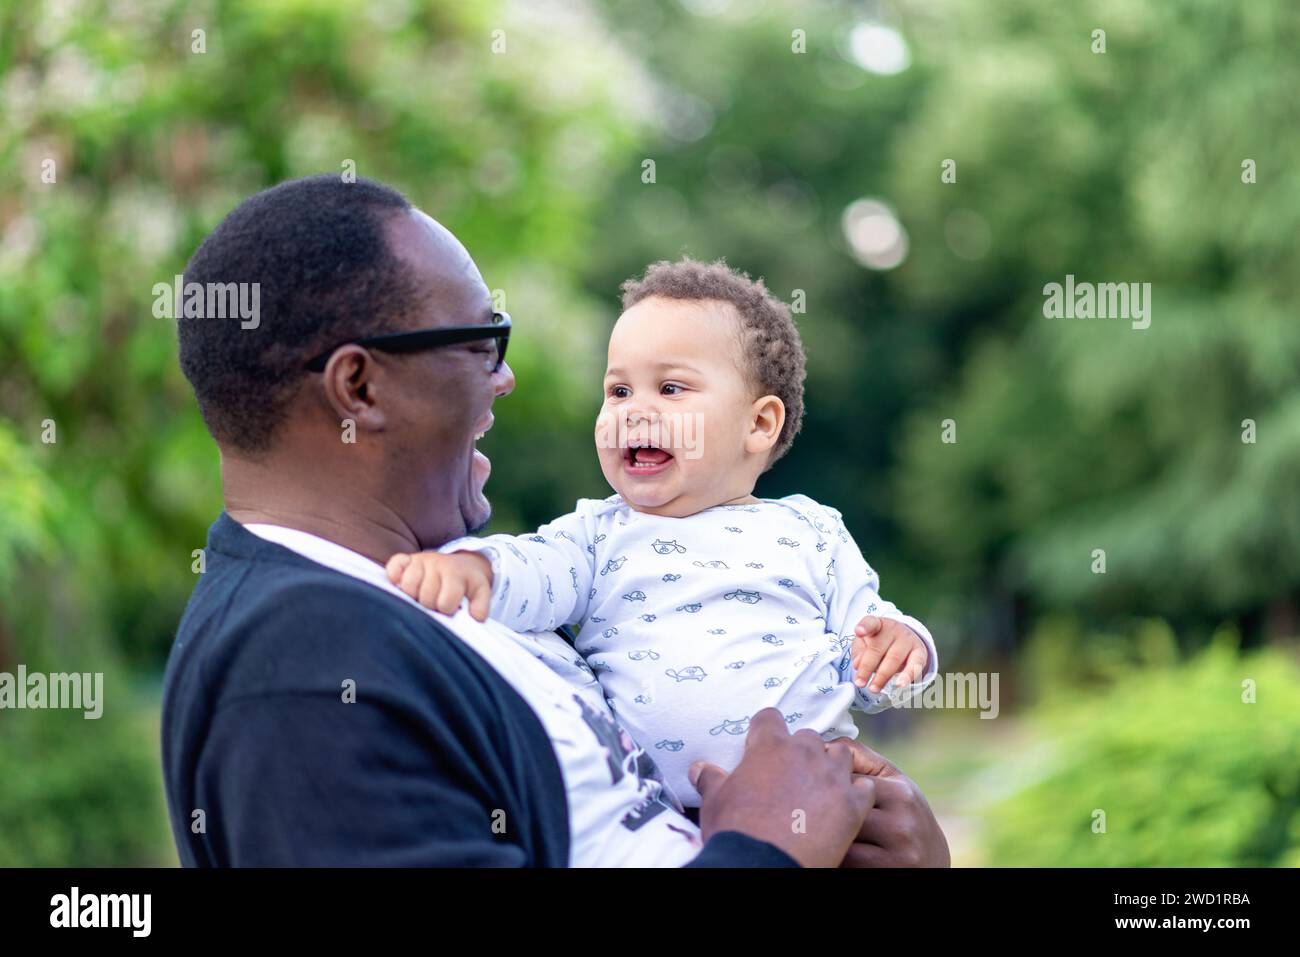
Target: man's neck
(270, 493)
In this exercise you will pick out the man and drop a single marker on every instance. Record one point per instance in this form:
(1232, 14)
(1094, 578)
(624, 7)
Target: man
(312, 713)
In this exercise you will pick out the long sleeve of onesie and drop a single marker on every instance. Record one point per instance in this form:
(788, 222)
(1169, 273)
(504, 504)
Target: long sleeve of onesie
(543, 580)
(852, 593)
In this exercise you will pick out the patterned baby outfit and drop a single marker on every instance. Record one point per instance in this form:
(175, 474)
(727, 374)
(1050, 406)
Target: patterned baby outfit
(692, 625)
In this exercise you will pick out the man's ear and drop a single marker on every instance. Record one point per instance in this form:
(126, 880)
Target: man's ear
(768, 416)
(351, 382)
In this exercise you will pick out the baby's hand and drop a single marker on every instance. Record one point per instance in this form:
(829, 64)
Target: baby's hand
(888, 648)
(440, 581)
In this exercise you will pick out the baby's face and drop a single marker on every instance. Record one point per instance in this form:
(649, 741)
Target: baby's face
(671, 435)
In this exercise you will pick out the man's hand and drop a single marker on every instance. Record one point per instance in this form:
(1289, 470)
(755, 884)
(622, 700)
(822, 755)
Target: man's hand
(441, 581)
(888, 648)
(789, 790)
(901, 830)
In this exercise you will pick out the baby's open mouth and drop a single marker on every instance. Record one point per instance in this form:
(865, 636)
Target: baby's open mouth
(646, 456)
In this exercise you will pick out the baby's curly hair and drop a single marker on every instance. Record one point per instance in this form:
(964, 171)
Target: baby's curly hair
(770, 343)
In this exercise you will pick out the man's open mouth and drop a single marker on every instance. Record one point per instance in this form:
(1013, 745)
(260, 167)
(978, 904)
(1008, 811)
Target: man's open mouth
(646, 457)
(480, 464)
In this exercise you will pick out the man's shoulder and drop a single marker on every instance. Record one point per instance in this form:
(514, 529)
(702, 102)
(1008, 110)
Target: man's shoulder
(289, 679)
(264, 620)
(264, 586)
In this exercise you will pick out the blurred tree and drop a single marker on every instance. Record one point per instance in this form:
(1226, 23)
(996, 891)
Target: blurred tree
(1077, 434)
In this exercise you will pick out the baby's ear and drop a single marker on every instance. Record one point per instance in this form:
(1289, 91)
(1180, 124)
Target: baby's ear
(768, 417)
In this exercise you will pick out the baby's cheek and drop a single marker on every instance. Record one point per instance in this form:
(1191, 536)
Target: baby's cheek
(611, 464)
(606, 431)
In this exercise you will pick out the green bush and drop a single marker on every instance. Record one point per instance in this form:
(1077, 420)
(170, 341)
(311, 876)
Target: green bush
(81, 793)
(1187, 769)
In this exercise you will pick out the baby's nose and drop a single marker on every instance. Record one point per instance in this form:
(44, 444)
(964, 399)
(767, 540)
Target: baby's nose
(645, 427)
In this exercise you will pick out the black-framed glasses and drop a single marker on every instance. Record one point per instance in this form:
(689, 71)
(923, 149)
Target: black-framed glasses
(421, 339)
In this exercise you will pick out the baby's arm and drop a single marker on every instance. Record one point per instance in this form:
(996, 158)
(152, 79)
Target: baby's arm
(895, 647)
(537, 582)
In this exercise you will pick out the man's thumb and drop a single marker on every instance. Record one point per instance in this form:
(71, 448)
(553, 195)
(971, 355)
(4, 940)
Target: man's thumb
(704, 777)
(868, 761)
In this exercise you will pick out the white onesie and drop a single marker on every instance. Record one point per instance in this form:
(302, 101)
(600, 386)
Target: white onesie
(694, 624)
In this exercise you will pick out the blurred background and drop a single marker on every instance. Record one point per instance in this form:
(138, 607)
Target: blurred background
(909, 174)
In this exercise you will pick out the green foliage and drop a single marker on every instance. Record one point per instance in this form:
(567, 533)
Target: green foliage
(1124, 166)
(82, 792)
(1062, 658)
(26, 506)
(1187, 773)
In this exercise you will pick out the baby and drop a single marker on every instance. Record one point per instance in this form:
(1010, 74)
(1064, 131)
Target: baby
(698, 603)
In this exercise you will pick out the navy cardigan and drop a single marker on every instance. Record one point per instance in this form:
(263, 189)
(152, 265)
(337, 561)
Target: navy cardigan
(263, 768)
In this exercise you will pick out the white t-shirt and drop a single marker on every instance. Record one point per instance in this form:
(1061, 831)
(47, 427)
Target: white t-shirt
(619, 814)
(692, 625)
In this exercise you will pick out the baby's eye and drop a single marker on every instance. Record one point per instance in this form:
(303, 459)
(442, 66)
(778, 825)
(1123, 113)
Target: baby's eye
(670, 385)
(619, 392)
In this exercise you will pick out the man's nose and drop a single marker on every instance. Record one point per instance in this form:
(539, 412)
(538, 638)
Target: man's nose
(503, 381)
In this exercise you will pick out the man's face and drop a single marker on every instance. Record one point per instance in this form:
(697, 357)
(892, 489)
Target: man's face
(443, 401)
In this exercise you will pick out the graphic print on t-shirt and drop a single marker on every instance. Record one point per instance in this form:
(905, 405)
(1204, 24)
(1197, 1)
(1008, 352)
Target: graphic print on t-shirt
(624, 757)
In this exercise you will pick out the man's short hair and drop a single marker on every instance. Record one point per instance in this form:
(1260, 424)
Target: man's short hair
(772, 351)
(325, 273)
